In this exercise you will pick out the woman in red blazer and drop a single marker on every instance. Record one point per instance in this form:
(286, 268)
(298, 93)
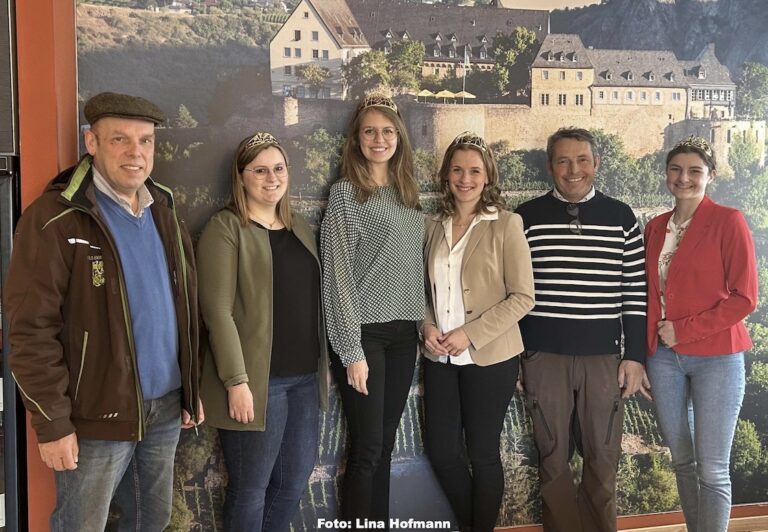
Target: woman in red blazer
(702, 283)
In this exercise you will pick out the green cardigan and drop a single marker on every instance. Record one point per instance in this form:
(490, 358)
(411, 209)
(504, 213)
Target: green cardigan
(234, 266)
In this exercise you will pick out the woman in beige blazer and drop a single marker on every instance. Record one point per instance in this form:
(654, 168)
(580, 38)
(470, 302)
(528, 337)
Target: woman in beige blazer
(479, 285)
(264, 377)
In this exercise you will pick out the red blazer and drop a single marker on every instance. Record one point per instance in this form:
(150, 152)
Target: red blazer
(711, 285)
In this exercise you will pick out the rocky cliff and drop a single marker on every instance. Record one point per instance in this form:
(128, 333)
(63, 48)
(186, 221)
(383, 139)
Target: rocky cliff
(739, 28)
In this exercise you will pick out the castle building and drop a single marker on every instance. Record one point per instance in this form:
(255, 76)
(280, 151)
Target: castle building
(452, 35)
(651, 98)
(322, 32)
(332, 32)
(568, 75)
(646, 93)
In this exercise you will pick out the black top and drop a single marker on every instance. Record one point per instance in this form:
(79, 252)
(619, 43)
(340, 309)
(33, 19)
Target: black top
(295, 304)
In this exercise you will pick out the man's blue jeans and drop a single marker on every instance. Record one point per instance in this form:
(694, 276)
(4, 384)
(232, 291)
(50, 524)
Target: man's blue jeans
(268, 470)
(697, 400)
(138, 474)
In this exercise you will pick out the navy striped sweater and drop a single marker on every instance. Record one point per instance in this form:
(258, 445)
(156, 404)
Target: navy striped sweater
(590, 287)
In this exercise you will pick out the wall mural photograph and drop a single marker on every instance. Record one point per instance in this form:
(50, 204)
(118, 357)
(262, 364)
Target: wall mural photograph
(639, 74)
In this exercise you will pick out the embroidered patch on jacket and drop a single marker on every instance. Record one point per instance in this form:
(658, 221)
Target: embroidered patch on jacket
(97, 272)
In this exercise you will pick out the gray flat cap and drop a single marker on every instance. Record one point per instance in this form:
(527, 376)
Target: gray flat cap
(121, 106)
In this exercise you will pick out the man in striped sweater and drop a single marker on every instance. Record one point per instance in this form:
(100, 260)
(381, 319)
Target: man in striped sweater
(588, 264)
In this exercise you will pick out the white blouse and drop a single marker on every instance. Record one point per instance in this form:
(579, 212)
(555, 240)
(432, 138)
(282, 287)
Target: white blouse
(674, 236)
(449, 303)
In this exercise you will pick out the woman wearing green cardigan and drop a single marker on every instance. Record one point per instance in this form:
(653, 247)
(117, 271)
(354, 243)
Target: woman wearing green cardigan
(264, 377)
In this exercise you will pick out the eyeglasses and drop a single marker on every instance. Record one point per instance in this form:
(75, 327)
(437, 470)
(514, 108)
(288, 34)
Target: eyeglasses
(260, 173)
(387, 133)
(575, 225)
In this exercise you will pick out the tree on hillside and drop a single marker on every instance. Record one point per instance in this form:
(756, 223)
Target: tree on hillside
(321, 158)
(656, 487)
(747, 190)
(756, 395)
(759, 334)
(448, 82)
(512, 170)
(615, 164)
(622, 175)
(405, 62)
(535, 164)
(744, 155)
(314, 76)
(184, 118)
(760, 315)
(365, 72)
(513, 54)
(482, 83)
(748, 464)
(426, 166)
(752, 92)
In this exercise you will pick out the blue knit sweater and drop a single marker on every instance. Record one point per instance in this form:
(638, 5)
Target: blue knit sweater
(148, 284)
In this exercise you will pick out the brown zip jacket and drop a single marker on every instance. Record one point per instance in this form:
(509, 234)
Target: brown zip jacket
(72, 352)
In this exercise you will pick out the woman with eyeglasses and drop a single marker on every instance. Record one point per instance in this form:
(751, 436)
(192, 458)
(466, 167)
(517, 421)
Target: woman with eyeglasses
(702, 283)
(373, 287)
(480, 284)
(264, 377)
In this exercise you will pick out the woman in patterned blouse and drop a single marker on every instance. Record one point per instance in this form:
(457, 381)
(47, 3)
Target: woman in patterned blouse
(373, 288)
(702, 283)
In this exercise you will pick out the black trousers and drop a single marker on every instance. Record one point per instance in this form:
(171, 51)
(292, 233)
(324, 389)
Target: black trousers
(468, 404)
(372, 420)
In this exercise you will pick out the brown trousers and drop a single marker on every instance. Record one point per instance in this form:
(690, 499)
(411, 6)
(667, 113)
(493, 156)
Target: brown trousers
(554, 383)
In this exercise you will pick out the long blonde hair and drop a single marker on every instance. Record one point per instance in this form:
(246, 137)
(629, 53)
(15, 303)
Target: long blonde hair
(248, 149)
(354, 166)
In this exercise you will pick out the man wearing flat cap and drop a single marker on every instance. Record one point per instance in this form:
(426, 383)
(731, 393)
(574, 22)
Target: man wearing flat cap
(101, 301)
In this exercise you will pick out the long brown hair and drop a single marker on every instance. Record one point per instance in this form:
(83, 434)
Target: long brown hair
(248, 149)
(491, 195)
(354, 165)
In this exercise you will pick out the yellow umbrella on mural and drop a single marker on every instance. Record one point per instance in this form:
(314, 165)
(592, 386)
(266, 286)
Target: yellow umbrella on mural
(426, 93)
(445, 94)
(465, 94)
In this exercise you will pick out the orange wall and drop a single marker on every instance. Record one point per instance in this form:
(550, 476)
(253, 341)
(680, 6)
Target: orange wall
(47, 88)
(47, 91)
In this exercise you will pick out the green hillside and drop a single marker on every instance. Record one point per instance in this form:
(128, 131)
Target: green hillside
(173, 58)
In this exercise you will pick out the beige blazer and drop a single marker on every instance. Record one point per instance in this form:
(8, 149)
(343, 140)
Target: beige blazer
(496, 284)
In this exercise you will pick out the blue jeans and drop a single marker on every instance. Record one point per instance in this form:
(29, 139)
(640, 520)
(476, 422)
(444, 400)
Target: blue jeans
(268, 471)
(698, 399)
(138, 474)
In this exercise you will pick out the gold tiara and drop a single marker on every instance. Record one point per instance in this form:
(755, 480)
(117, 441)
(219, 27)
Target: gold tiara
(471, 139)
(261, 138)
(378, 100)
(697, 143)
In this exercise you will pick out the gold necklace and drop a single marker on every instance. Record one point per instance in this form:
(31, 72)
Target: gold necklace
(263, 221)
